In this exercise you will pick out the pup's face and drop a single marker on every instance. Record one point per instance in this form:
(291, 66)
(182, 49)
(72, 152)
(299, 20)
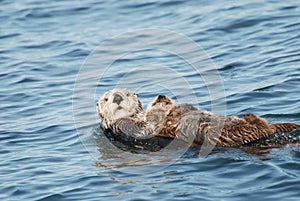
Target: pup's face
(118, 103)
(161, 104)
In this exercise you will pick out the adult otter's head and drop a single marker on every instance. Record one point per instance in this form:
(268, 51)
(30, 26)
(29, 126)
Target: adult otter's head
(116, 104)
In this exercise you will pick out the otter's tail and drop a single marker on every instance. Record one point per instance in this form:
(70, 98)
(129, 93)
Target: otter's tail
(285, 127)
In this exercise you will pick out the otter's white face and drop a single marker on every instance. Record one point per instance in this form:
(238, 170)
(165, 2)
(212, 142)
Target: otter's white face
(118, 103)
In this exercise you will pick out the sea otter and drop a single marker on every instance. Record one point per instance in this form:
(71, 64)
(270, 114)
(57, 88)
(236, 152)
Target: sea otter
(122, 115)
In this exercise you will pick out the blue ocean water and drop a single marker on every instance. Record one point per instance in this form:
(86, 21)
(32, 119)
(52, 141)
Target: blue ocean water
(43, 45)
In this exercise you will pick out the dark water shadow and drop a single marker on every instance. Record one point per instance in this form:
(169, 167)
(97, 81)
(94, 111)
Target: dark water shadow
(115, 155)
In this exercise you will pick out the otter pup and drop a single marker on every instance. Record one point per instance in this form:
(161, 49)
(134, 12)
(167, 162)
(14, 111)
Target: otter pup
(187, 123)
(122, 114)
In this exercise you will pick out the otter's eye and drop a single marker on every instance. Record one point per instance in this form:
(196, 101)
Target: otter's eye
(105, 99)
(128, 94)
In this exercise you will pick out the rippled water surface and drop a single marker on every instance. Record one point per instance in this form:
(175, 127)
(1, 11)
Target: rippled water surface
(46, 155)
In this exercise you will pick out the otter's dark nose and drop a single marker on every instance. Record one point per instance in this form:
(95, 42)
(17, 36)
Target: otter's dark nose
(161, 97)
(117, 99)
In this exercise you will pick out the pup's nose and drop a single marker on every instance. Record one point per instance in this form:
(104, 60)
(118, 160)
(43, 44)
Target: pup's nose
(160, 97)
(117, 99)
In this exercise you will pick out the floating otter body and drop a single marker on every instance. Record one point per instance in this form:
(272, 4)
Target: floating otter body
(122, 114)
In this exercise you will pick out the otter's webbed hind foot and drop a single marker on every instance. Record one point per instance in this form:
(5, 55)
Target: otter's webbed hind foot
(259, 122)
(275, 127)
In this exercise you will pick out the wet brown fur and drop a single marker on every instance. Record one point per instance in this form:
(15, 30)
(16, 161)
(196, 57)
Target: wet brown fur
(186, 123)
